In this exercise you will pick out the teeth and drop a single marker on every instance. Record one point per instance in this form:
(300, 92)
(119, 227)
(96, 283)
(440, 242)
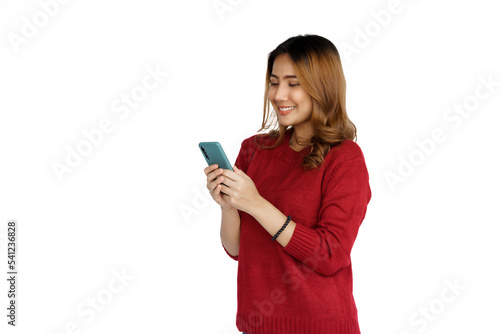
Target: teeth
(287, 108)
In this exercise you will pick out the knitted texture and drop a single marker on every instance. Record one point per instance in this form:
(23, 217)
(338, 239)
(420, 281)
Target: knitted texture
(305, 287)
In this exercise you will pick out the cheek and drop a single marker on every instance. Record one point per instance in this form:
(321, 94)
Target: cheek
(305, 100)
(270, 97)
(270, 94)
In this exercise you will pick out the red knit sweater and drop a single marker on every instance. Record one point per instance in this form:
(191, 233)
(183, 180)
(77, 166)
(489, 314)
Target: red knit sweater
(305, 287)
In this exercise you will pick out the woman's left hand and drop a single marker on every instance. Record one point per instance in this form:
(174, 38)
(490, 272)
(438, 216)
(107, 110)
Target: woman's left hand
(240, 191)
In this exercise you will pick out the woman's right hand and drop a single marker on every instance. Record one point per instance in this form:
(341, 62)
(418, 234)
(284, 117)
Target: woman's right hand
(214, 181)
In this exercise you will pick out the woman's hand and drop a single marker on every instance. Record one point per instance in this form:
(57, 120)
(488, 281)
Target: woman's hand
(239, 190)
(214, 181)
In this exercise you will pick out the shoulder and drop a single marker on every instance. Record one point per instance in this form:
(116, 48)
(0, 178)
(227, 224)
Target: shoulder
(249, 147)
(256, 141)
(344, 151)
(347, 154)
(345, 167)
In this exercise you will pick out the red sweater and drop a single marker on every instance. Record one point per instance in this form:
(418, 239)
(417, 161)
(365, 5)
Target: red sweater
(305, 287)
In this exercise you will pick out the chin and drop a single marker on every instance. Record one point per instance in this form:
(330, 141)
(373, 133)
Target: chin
(286, 124)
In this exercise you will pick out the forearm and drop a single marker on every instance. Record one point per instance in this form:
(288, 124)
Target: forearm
(230, 230)
(272, 220)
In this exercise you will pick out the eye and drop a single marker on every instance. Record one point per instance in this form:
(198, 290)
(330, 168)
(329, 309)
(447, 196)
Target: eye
(274, 84)
(294, 85)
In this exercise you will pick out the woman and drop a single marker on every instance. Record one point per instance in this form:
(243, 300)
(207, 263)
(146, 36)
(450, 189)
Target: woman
(292, 207)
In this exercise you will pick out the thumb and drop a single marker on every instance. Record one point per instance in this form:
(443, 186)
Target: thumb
(239, 171)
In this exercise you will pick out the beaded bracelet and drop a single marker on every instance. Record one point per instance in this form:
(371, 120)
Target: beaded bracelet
(282, 227)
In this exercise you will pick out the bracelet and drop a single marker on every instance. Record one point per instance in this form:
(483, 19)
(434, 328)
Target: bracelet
(282, 227)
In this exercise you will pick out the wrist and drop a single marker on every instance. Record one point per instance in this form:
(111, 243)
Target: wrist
(258, 207)
(228, 208)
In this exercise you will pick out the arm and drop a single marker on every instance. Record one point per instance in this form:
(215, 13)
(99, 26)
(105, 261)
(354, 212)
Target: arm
(241, 193)
(272, 220)
(230, 231)
(230, 218)
(326, 247)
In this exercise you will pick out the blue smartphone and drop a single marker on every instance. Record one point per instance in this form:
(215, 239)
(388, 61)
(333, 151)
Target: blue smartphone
(214, 154)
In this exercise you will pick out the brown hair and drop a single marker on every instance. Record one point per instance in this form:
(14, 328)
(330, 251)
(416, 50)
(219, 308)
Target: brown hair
(317, 65)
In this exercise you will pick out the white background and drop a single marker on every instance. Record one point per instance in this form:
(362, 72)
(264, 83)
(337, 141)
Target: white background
(136, 203)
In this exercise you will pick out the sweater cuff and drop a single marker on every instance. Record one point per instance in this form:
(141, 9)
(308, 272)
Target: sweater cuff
(303, 243)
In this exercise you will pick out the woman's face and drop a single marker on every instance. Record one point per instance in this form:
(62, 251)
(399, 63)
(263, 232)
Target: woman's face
(291, 102)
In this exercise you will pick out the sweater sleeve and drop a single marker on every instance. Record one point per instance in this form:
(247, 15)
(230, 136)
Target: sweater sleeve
(326, 247)
(247, 150)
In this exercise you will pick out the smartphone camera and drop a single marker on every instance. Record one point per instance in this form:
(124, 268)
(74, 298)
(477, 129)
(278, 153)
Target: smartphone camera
(205, 152)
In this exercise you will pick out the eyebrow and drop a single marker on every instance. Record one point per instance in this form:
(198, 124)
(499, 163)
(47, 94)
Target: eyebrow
(285, 77)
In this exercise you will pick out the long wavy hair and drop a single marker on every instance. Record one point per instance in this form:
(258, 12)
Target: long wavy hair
(317, 65)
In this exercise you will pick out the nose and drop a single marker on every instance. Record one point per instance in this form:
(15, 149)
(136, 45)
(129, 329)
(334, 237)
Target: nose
(281, 93)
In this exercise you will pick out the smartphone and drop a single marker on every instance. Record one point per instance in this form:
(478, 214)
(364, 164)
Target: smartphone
(214, 154)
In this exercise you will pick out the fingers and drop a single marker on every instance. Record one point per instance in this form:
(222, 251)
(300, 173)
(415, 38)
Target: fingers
(213, 180)
(211, 176)
(210, 168)
(217, 191)
(236, 175)
(233, 179)
(228, 183)
(216, 176)
(226, 198)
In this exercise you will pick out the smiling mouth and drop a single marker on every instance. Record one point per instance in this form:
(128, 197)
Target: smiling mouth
(285, 110)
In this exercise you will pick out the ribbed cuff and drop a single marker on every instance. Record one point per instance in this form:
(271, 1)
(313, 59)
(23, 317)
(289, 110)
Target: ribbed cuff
(303, 243)
(256, 323)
